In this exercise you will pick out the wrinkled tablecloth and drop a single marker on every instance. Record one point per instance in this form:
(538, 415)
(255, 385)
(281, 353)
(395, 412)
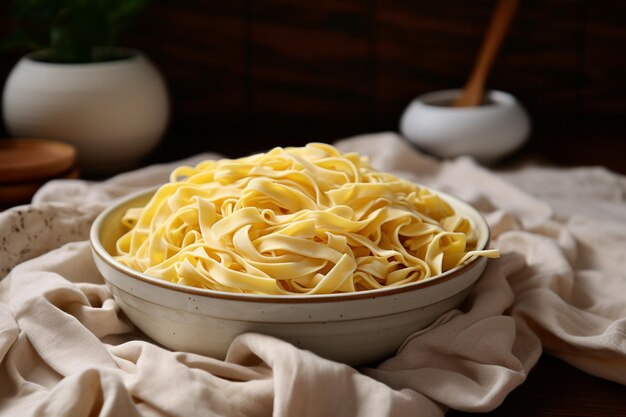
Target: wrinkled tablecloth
(560, 286)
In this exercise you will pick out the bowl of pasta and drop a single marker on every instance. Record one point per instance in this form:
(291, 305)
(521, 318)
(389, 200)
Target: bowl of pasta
(309, 245)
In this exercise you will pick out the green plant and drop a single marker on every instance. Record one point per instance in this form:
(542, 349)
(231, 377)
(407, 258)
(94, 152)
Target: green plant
(74, 31)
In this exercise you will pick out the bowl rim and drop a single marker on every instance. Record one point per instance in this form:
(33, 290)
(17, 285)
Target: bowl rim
(99, 251)
(500, 100)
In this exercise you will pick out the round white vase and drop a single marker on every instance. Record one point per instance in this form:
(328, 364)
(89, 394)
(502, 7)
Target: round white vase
(114, 112)
(487, 132)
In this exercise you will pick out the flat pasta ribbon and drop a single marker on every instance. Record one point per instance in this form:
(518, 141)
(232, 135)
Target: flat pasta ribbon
(304, 220)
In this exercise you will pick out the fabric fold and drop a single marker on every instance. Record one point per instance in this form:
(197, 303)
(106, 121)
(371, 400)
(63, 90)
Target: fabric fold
(66, 349)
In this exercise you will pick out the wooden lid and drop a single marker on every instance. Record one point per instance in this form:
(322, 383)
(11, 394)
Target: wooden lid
(28, 160)
(14, 194)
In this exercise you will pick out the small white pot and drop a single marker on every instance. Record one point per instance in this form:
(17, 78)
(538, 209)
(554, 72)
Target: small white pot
(486, 132)
(114, 112)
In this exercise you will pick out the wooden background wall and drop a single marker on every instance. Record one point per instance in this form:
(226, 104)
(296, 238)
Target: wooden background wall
(246, 75)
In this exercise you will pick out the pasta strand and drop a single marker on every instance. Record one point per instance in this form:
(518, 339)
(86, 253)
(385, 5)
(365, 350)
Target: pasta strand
(304, 220)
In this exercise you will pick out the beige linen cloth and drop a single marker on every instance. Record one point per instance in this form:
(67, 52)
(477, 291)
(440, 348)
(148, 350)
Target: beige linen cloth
(560, 286)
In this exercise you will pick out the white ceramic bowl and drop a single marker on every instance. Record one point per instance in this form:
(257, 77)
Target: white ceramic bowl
(352, 328)
(486, 132)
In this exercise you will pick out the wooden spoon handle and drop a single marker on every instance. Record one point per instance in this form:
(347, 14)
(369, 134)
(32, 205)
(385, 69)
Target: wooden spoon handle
(474, 89)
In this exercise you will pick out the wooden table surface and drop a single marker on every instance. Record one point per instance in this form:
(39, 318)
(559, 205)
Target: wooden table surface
(554, 388)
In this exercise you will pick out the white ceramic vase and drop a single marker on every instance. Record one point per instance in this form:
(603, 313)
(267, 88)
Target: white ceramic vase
(114, 112)
(486, 132)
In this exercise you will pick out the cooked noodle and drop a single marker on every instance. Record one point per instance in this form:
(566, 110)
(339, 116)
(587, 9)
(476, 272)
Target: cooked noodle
(294, 221)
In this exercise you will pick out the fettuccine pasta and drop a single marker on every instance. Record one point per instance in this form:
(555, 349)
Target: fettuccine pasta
(294, 221)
